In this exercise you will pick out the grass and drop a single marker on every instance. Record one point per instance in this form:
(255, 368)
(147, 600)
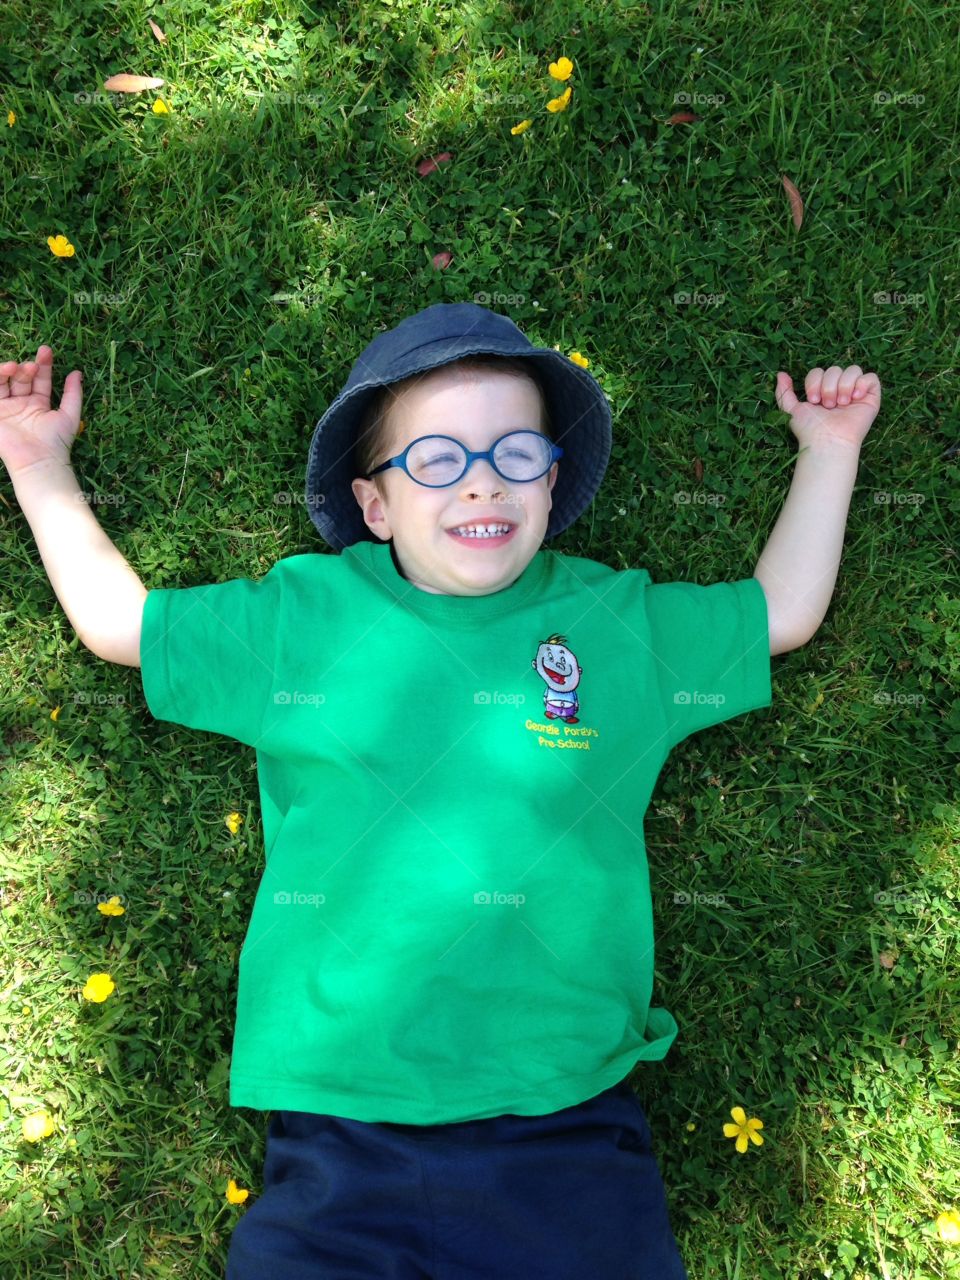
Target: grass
(822, 992)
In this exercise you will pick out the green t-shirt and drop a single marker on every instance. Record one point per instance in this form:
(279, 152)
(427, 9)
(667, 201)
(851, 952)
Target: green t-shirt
(454, 919)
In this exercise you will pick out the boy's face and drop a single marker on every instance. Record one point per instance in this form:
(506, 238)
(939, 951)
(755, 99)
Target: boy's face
(475, 408)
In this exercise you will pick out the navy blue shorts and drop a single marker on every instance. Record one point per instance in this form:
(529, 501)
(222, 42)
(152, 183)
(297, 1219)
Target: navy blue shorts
(563, 1196)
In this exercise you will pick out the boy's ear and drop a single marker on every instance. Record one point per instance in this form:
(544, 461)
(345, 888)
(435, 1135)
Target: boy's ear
(371, 504)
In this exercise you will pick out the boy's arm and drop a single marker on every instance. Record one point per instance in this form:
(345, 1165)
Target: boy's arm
(100, 593)
(798, 567)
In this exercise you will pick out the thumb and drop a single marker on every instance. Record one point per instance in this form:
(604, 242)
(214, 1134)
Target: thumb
(72, 397)
(784, 392)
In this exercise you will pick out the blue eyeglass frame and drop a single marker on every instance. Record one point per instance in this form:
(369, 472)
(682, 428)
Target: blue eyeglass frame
(556, 452)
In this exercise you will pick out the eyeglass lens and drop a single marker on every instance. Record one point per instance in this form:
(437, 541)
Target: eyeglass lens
(436, 460)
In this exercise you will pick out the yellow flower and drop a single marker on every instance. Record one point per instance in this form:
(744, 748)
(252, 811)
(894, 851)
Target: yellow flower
(11, 119)
(26, 1009)
(160, 108)
(99, 986)
(560, 104)
(60, 246)
(948, 1227)
(37, 1125)
(55, 713)
(519, 128)
(577, 358)
(233, 821)
(111, 908)
(562, 69)
(690, 1127)
(743, 1129)
(235, 1194)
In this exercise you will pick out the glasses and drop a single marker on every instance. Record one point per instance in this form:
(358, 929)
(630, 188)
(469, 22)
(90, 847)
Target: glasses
(438, 461)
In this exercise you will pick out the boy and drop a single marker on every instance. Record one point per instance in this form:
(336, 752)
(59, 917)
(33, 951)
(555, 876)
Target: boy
(447, 974)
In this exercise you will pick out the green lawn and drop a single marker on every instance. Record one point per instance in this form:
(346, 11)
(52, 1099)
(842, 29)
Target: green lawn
(821, 993)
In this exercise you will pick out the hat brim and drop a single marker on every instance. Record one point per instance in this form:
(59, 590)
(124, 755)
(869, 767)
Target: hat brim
(580, 424)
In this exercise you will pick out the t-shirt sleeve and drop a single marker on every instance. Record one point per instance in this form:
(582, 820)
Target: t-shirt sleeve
(207, 654)
(711, 652)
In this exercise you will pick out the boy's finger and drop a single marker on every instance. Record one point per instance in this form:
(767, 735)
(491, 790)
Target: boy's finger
(21, 383)
(828, 387)
(811, 385)
(72, 396)
(848, 380)
(43, 378)
(786, 397)
(866, 383)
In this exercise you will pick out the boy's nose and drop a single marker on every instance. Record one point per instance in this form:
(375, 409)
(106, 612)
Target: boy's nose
(480, 475)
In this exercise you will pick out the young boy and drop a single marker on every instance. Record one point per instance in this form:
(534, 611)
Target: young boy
(447, 976)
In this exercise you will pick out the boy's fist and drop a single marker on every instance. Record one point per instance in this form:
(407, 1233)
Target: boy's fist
(840, 407)
(30, 431)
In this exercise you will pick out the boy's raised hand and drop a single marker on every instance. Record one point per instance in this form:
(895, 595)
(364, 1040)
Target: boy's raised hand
(30, 431)
(840, 407)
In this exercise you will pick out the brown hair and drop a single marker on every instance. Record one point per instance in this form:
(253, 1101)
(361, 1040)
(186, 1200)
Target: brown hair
(374, 434)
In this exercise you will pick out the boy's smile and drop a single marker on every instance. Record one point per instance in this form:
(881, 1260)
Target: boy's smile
(475, 407)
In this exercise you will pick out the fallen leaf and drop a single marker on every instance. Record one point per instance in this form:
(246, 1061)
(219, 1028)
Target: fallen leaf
(124, 83)
(442, 260)
(698, 469)
(157, 32)
(433, 162)
(682, 117)
(888, 959)
(796, 203)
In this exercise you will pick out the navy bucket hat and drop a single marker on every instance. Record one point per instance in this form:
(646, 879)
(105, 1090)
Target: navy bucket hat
(438, 335)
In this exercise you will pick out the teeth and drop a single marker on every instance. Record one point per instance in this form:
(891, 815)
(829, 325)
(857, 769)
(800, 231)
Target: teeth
(482, 531)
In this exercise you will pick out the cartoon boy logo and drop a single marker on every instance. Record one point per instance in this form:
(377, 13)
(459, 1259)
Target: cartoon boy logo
(558, 666)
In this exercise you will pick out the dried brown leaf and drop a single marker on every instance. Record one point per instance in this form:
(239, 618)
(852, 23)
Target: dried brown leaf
(124, 83)
(433, 162)
(796, 201)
